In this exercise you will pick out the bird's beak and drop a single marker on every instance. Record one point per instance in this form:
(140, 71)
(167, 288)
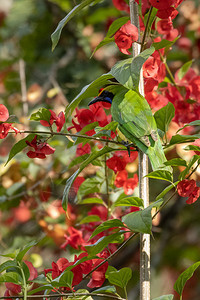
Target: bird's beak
(99, 99)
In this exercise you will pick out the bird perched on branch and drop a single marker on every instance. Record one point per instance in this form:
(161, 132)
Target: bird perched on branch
(136, 123)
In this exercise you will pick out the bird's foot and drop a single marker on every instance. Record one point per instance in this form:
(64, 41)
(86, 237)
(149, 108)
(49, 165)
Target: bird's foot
(128, 145)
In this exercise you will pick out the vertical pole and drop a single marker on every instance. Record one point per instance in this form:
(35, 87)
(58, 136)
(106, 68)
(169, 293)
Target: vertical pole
(143, 181)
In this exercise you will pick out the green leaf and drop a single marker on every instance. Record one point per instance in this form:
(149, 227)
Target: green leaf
(183, 70)
(10, 277)
(105, 41)
(112, 126)
(189, 166)
(127, 71)
(192, 147)
(25, 249)
(70, 181)
(11, 255)
(176, 162)
(19, 146)
(179, 139)
(162, 175)
(7, 264)
(56, 34)
(25, 271)
(106, 289)
(78, 160)
(41, 288)
(121, 277)
(102, 243)
(166, 190)
(90, 90)
(88, 219)
(91, 201)
(129, 201)
(164, 43)
(65, 279)
(89, 186)
(165, 297)
(41, 114)
(153, 13)
(41, 279)
(106, 225)
(184, 277)
(164, 116)
(139, 221)
(117, 24)
(194, 123)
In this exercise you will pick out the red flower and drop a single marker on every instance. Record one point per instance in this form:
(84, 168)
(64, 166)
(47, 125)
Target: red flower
(121, 5)
(98, 276)
(188, 188)
(77, 182)
(41, 149)
(162, 4)
(125, 36)
(100, 211)
(164, 26)
(185, 187)
(59, 121)
(130, 184)
(194, 195)
(116, 163)
(4, 114)
(4, 129)
(81, 150)
(74, 239)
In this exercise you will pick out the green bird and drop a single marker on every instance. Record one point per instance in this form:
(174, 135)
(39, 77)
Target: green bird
(136, 123)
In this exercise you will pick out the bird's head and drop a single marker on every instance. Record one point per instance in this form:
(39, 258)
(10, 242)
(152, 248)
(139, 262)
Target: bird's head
(104, 96)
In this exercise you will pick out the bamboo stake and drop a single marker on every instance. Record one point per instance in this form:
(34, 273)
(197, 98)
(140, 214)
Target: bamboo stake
(143, 181)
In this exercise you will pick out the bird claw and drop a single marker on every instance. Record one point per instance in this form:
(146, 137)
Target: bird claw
(128, 145)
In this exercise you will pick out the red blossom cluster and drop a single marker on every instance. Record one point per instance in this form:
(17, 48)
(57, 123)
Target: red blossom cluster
(188, 188)
(41, 149)
(5, 127)
(185, 97)
(98, 276)
(166, 8)
(13, 289)
(58, 120)
(125, 37)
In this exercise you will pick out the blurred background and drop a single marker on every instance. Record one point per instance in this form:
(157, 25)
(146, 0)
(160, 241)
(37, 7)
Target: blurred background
(32, 76)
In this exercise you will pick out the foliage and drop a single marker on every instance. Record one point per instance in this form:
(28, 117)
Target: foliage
(79, 154)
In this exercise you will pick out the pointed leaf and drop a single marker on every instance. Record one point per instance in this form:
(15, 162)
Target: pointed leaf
(139, 221)
(184, 277)
(56, 34)
(102, 243)
(10, 277)
(89, 219)
(7, 265)
(166, 190)
(106, 225)
(194, 123)
(127, 71)
(129, 201)
(192, 147)
(164, 43)
(19, 146)
(106, 289)
(183, 70)
(90, 90)
(116, 24)
(193, 160)
(121, 277)
(176, 162)
(41, 114)
(178, 139)
(25, 249)
(164, 116)
(162, 175)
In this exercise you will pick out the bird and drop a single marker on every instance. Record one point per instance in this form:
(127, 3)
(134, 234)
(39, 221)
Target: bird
(136, 122)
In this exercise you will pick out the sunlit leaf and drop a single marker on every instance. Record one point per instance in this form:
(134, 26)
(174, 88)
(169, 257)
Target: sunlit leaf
(164, 116)
(106, 225)
(121, 277)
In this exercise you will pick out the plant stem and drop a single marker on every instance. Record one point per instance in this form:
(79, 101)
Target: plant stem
(24, 287)
(143, 181)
